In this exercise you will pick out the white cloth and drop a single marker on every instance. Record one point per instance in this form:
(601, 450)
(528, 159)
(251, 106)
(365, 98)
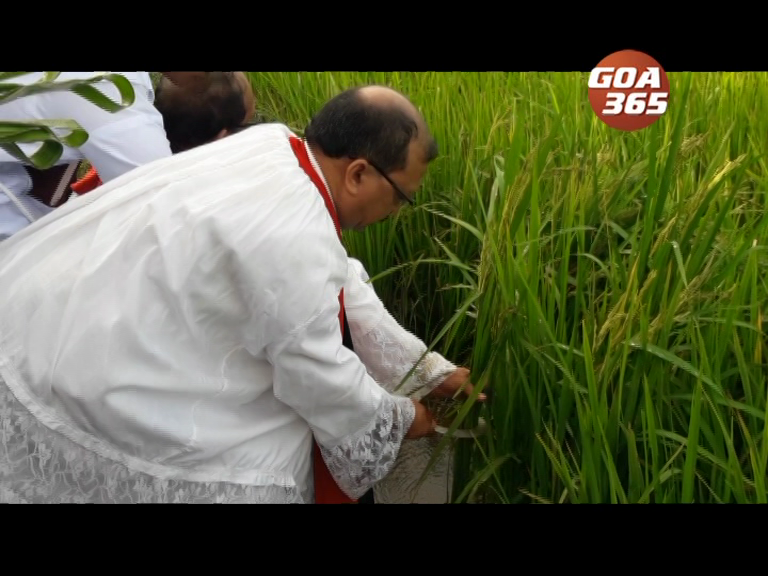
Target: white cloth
(182, 342)
(117, 142)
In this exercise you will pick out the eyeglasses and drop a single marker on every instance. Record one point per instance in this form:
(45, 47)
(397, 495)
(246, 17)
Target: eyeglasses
(403, 195)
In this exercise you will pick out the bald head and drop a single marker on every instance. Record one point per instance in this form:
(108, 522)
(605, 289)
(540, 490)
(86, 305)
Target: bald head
(385, 96)
(372, 122)
(374, 148)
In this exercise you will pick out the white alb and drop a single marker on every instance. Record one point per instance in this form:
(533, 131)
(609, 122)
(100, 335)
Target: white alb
(173, 337)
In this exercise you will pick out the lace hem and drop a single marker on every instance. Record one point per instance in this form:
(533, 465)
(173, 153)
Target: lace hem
(40, 465)
(363, 460)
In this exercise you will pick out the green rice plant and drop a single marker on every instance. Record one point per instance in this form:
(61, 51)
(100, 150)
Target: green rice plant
(609, 288)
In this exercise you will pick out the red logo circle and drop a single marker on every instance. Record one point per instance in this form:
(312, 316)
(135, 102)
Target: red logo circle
(628, 90)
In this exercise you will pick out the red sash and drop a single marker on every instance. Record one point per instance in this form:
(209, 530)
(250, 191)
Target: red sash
(326, 489)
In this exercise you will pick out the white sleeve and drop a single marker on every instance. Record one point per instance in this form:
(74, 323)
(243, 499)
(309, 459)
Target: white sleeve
(387, 349)
(358, 426)
(119, 147)
(291, 272)
(123, 140)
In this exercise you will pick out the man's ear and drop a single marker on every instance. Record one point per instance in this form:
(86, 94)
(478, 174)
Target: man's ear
(354, 175)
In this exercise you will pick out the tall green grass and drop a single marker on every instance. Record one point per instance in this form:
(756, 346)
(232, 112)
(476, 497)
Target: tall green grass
(609, 288)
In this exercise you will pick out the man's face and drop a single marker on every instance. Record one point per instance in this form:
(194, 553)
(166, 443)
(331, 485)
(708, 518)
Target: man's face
(369, 197)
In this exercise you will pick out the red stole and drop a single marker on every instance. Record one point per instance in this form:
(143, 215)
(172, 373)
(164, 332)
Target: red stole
(326, 489)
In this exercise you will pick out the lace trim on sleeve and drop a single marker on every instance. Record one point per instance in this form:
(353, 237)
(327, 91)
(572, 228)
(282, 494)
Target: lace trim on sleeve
(387, 349)
(358, 462)
(389, 352)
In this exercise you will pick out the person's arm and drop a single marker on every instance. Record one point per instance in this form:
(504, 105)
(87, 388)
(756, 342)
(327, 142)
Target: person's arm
(293, 298)
(387, 349)
(358, 425)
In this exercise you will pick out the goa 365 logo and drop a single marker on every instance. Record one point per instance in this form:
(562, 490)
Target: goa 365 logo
(628, 90)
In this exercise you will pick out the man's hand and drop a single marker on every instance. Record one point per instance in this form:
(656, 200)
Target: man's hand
(423, 424)
(459, 380)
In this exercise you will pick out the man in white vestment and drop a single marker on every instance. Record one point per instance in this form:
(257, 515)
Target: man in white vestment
(181, 342)
(193, 117)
